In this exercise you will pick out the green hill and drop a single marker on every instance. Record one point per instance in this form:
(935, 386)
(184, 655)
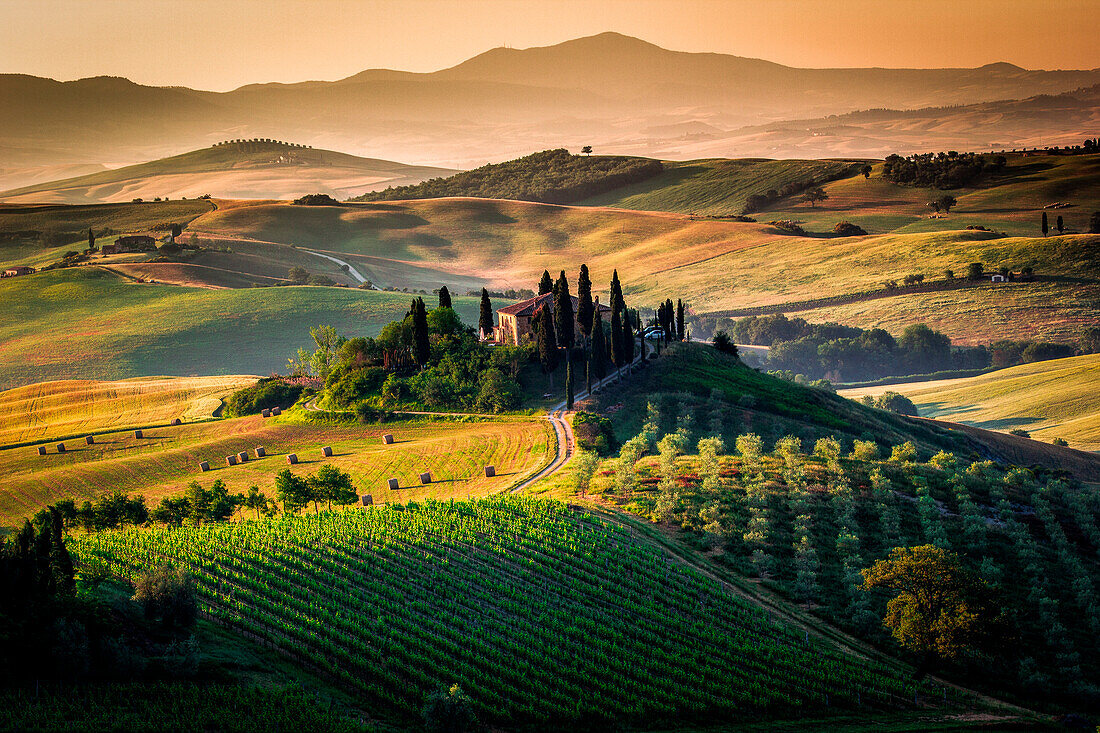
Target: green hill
(551, 177)
(90, 323)
(252, 169)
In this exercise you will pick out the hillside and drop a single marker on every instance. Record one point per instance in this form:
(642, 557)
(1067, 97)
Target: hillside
(247, 170)
(87, 323)
(1049, 399)
(549, 177)
(621, 94)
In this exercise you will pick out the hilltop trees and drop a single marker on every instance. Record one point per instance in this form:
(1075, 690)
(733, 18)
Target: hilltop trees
(444, 297)
(866, 171)
(940, 170)
(546, 284)
(485, 317)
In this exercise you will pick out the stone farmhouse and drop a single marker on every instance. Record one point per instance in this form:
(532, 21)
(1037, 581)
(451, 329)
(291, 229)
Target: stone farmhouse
(17, 271)
(514, 321)
(131, 243)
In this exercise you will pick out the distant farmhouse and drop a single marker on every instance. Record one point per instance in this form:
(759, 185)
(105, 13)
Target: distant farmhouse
(17, 271)
(131, 243)
(514, 321)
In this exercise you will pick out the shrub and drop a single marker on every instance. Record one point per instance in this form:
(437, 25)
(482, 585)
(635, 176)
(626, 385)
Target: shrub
(896, 403)
(316, 199)
(1019, 432)
(449, 710)
(167, 593)
(724, 343)
(904, 453)
(865, 450)
(593, 433)
(1059, 441)
(847, 229)
(788, 226)
(267, 393)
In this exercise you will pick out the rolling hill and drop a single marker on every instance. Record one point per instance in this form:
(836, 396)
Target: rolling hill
(623, 96)
(1048, 399)
(252, 170)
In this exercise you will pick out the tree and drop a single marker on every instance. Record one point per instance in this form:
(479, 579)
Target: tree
(445, 297)
(946, 202)
(331, 486)
(617, 338)
(167, 593)
(91, 239)
(1060, 225)
(937, 608)
(815, 194)
(598, 350)
(585, 306)
(547, 345)
(568, 380)
(255, 500)
(176, 231)
(584, 465)
(563, 312)
(866, 171)
(1045, 226)
(724, 343)
(587, 150)
(298, 275)
(679, 320)
(975, 271)
(449, 710)
(422, 349)
(291, 490)
(546, 285)
(485, 319)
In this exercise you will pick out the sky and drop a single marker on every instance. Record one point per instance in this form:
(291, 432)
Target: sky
(223, 44)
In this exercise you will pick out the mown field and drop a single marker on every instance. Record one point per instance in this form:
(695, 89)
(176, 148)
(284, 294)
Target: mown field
(49, 410)
(166, 459)
(1048, 399)
(86, 323)
(543, 615)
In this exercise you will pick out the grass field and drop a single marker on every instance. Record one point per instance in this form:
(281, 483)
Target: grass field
(86, 323)
(49, 410)
(166, 459)
(1048, 399)
(717, 187)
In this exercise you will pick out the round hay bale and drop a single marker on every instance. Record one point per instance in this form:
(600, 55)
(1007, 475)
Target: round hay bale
(326, 451)
(394, 484)
(490, 471)
(276, 411)
(242, 456)
(265, 412)
(366, 500)
(60, 447)
(292, 458)
(89, 440)
(426, 477)
(260, 452)
(177, 421)
(231, 460)
(387, 439)
(204, 466)
(139, 434)
(41, 450)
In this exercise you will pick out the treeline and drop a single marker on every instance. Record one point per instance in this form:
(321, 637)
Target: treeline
(550, 177)
(941, 170)
(812, 185)
(848, 354)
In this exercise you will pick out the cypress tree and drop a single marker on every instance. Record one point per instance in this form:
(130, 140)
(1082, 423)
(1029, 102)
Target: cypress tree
(598, 351)
(679, 320)
(568, 380)
(445, 297)
(563, 312)
(1060, 225)
(628, 336)
(1045, 226)
(548, 347)
(616, 288)
(546, 285)
(60, 562)
(91, 238)
(584, 302)
(421, 346)
(485, 320)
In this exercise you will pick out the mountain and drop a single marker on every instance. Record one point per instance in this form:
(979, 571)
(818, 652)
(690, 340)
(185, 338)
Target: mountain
(616, 92)
(258, 170)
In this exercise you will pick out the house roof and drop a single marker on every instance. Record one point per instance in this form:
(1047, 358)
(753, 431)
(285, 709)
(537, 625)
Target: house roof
(531, 306)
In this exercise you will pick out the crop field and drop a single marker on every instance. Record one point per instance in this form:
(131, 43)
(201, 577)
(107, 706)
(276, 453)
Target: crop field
(92, 324)
(1048, 399)
(543, 615)
(166, 459)
(49, 410)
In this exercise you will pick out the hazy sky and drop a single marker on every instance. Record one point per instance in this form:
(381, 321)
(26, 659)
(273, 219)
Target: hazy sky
(222, 44)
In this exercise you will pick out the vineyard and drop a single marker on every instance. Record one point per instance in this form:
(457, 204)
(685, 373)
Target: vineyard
(807, 524)
(542, 614)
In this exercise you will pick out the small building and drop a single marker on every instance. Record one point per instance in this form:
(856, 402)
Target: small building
(17, 271)
(131, 243)
(514, 321)
(998, 278)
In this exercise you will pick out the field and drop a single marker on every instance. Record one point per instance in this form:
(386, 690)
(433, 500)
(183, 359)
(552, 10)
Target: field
(542, 615)
(87, 323)
(167, 458)
(257, 171)
(52, 410)
(1048, 399)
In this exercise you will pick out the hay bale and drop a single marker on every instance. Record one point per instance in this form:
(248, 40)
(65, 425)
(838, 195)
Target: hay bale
(41, 450)
(204, 466)
(490, 471)
(387, 439)
(326, 451)
(260, 452)
(366, 500)
(60, 447)
(231, 460)
(177, 421)
(242, 456)
(276, 411)
(426, 478)
(292, 458)
(89, 440)
(265, 412)
(139, 434)
(393, 484)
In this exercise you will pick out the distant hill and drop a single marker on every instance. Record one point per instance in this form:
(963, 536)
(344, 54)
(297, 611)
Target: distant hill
(255, 169)
(620, 94)
(549, 177)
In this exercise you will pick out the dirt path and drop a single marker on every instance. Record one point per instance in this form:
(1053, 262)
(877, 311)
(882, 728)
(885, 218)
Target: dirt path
(350, 270)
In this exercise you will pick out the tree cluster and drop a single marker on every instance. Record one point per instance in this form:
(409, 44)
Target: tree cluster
(552, 177)
(941, 170)
(329, 485)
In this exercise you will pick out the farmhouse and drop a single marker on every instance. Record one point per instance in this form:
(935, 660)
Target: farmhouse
(131, 243)
(514, 321)
(17, 271)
